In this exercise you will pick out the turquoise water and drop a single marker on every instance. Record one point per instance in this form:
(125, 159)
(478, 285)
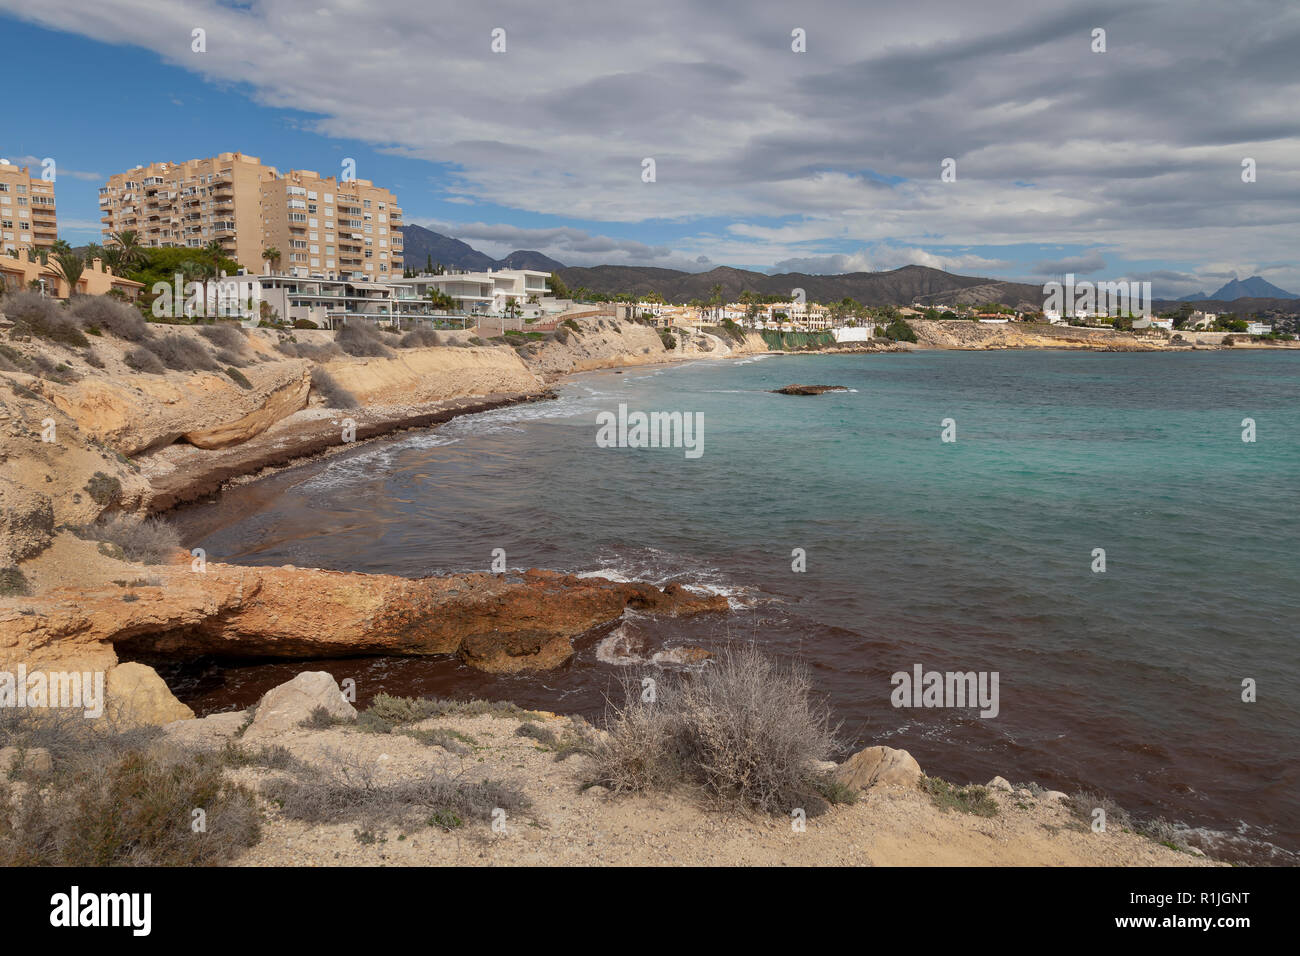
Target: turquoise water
(970, 555)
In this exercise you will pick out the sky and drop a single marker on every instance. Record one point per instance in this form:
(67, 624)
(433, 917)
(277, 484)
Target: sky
(1122, 164)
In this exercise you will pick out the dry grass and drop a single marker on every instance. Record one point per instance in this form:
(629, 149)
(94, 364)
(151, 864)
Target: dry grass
(349, 792)
(182, 353)
(313, 353)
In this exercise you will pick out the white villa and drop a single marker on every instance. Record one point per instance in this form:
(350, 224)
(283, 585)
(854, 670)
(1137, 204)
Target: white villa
(480, 293)
(330, 301)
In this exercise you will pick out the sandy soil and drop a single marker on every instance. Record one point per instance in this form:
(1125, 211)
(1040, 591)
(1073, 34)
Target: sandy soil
(570, 826)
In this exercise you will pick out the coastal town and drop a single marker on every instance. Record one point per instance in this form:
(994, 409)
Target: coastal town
(229, 236)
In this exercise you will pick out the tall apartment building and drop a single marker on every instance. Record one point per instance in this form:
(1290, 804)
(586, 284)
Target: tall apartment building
(332, 228)
(27, 214)
(319, 226)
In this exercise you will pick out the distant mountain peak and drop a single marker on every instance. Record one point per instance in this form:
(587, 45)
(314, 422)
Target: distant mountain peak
(1255, 287)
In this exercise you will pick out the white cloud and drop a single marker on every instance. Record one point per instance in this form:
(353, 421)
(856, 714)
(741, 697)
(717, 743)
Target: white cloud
(1138, 149)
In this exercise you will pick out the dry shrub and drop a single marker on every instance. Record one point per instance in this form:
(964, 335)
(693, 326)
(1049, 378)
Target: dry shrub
(313, 353)
(227, 357)
(331, 392)
(42, 317)
(224, 335)
(744, 730)
(140, 359)
(361, 338)
(107, 314)
(420, 338)
(147, 540)
(110, 799)
(182, 353)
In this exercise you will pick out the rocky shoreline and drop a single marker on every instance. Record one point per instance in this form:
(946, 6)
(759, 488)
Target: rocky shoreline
(100, 440)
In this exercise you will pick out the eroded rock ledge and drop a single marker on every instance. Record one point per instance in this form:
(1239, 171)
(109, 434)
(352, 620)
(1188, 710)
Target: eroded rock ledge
(496, 622)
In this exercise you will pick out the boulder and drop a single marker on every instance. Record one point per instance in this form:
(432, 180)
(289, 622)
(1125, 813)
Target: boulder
(207, 733)
(998, 783)
(137, 696)
(287, 706)
(879, 766)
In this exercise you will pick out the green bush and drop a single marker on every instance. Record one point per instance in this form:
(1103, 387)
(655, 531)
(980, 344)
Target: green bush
(899, 331)
(103, 489)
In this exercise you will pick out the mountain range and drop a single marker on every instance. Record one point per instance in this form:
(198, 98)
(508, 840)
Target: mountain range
(909, 284)
(424, 247)
(1252, 288)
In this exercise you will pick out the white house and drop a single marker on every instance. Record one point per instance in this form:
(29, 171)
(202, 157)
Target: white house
(479, 292)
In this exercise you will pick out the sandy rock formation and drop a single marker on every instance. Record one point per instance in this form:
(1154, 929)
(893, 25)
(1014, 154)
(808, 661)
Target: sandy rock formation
(280, 402)
(879, 766)
(502, 623)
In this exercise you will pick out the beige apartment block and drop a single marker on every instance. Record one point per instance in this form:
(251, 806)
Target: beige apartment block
(190, 204)
(342, 229)
(27, 215)
(332, 228)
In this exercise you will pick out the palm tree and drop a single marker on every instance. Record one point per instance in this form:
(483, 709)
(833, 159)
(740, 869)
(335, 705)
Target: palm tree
(129, 253)
(272, 255)
(69, 266)
(211, 268)
(59, 247)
